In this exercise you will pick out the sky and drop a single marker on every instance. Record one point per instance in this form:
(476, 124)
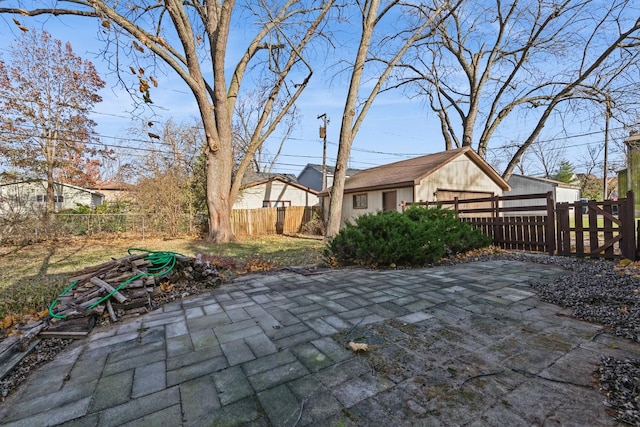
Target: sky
(395, 128)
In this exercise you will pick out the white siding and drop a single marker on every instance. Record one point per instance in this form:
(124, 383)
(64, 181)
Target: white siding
(28, 197)
(374, 204)
(569, 195)
(460, 175)
(274, 191)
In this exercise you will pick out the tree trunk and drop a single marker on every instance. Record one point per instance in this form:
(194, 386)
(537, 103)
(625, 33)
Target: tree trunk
(347, 130)
(50, 144)
(218, 203)
(50, 193)
(337, 190)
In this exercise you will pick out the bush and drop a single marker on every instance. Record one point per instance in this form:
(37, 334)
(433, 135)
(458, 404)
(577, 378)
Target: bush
(416, 237)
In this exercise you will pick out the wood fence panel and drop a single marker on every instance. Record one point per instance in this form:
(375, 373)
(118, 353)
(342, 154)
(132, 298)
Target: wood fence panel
(509, 224)
(616, 236)
(267, 221)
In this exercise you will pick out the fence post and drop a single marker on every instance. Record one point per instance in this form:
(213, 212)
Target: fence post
(550, 227)
(627, 219)
(564, 242)
(498, 235)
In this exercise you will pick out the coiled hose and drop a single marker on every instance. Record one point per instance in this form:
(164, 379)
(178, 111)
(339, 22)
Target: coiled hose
(162, 262)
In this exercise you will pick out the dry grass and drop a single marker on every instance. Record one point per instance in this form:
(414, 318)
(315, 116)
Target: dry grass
(32, 276)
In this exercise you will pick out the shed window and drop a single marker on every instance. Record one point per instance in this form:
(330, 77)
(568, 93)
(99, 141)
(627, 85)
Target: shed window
(360, 201)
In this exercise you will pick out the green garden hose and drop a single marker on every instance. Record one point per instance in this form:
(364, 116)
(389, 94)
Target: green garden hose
(162, 262)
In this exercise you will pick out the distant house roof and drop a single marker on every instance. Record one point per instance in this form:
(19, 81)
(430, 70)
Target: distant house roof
(55, 182)
(250, 177)
(408, 173)
(548, 181)
(331, 169)
(285, 178)
(112, 186)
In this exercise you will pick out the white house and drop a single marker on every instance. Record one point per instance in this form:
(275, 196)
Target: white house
(31, 197)
(273, 190)
(441, 176)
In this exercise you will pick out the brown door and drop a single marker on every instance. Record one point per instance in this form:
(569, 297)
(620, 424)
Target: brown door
(389, 201)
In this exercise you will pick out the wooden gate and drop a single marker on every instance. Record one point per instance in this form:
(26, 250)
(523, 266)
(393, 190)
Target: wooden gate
(600, 229)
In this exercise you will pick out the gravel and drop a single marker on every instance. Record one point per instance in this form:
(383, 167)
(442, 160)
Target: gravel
(598, 291)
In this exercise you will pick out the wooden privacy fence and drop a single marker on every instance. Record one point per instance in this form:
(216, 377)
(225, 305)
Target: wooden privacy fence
(532, 222)
(264, 221)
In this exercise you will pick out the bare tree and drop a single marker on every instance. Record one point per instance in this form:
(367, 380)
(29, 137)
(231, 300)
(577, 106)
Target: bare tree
(496, 64)
(166, 171)
(46, 93)
(247, 115)
(170, 146)
(590, 162)
(186, 36)
(549, 155)
(421, 22)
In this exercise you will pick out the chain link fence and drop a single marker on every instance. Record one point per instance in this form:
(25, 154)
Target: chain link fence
(33, 229)
(28, 229)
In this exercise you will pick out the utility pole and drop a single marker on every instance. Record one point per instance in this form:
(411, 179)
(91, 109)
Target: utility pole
(323, 135)
(606, 149)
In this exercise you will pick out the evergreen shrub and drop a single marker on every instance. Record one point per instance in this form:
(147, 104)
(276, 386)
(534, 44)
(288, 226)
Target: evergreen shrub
(416, 237)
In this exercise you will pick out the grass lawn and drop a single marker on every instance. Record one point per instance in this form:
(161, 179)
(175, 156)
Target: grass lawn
(32, 276)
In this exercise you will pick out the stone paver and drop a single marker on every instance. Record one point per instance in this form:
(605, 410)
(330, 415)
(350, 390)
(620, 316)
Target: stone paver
(468, 344)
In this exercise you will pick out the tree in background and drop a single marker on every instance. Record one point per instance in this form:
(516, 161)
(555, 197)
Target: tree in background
(166, 174)
(247, 115)
(498, 65)
(46, 94)
(194, 40)
(565, 172)
(80, 170)
(549, 155)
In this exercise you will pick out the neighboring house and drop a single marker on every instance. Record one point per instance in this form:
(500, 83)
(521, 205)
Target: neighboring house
(592, 186)
(114, 191)
(31, 197)
(521, 185)
(311, 176)
(441, 176)
(260, 190)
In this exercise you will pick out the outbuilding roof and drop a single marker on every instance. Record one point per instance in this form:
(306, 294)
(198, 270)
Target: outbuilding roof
(280, 178)
(408, 173)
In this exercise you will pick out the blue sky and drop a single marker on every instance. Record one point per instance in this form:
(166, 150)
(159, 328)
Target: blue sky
(395, 128)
